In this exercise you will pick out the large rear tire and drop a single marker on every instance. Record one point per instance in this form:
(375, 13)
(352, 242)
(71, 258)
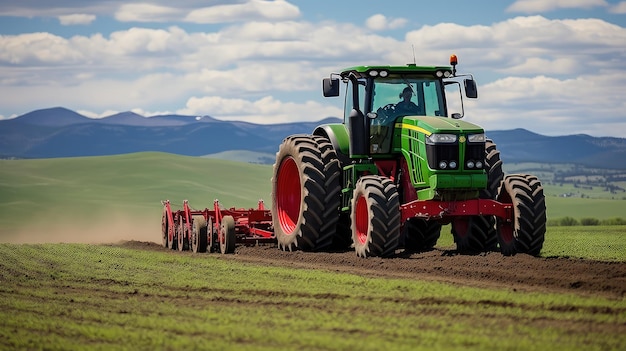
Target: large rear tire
(375, 217)
(199, 234)
(526, 233)
(342, 237)
(493, 167)
(305, 194)
(474, 234)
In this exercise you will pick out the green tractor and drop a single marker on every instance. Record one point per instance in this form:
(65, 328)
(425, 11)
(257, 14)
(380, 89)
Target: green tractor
(399, 167)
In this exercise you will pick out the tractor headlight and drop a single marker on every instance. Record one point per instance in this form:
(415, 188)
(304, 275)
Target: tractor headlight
(452, 164)
(470, 164)
(440, 139)
(443, 165)
(479, 164)
(476, 138)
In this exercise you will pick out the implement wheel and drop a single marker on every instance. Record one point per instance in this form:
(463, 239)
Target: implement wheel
(305, 194)
(227, 235)
(165, 227)
(375, 217)
(212, 237)
(527, 231)
(172, 242)
(199, 234)
(183, 241)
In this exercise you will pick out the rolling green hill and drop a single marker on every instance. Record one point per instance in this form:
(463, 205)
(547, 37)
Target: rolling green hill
(75, 192)
(78, 194)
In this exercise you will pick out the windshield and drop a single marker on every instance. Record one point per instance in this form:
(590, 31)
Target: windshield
(408, 96)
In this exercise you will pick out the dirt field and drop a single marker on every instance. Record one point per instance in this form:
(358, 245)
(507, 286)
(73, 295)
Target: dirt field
(489, 270)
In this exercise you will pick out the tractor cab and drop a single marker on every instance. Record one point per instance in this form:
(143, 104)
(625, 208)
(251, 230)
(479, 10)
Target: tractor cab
(376, 97)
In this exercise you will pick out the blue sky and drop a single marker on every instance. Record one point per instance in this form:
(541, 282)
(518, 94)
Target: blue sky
(555, 67)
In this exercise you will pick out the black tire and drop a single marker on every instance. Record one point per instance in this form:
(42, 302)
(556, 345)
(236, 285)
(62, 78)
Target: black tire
(342, 237)
(375, 217)
(172, 242)
(183, 242)
(342, 240)
(212, 237)
(199, 234)
(305, 195)
(527, 231)
(420, 235)
(164, 229)
(474, 234)
(228, 235)
(493, 167)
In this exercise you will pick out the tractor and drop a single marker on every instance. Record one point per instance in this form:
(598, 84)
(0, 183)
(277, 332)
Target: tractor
(394, 172)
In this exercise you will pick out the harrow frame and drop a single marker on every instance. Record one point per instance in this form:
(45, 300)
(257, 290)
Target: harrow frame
(223, 227)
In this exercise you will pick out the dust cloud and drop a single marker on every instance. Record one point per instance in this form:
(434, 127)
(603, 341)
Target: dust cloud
(111, 228)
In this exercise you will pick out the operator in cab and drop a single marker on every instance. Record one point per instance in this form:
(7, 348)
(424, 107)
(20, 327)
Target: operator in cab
(406, 107)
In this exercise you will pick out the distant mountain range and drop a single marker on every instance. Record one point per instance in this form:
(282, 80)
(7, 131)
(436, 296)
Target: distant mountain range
(59, 132)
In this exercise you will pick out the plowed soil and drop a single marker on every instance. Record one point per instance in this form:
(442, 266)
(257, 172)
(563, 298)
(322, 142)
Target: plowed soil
(488, 270)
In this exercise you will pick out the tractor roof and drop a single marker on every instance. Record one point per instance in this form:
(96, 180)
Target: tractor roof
(364, 71)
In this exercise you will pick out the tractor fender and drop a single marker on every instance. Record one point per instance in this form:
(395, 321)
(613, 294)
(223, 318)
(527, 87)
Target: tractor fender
(338, 136)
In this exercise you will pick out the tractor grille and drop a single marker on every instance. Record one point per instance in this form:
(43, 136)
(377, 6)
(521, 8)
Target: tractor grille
(475, 153)
(443, 153)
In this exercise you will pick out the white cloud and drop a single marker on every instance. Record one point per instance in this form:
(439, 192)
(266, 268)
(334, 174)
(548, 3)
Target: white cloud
(77, 18)
(587, 104)
(380, 22)
(249, 11)
(265, 110)
(34, 48)
(144, 12)
(270, 71)
(539, 6)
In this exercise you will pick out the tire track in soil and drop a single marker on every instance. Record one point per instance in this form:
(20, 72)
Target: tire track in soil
(487, 270)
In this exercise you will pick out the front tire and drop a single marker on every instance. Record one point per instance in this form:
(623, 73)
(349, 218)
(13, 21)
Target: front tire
(375, 217)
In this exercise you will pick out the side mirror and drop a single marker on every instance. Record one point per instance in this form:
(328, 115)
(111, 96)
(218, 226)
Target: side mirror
(470, 88)
(330, 87)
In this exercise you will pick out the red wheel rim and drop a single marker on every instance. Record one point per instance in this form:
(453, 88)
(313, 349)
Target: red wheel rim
(288, 195)
(362, 220)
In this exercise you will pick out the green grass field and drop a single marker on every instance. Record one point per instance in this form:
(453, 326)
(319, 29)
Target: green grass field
(96, 297)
